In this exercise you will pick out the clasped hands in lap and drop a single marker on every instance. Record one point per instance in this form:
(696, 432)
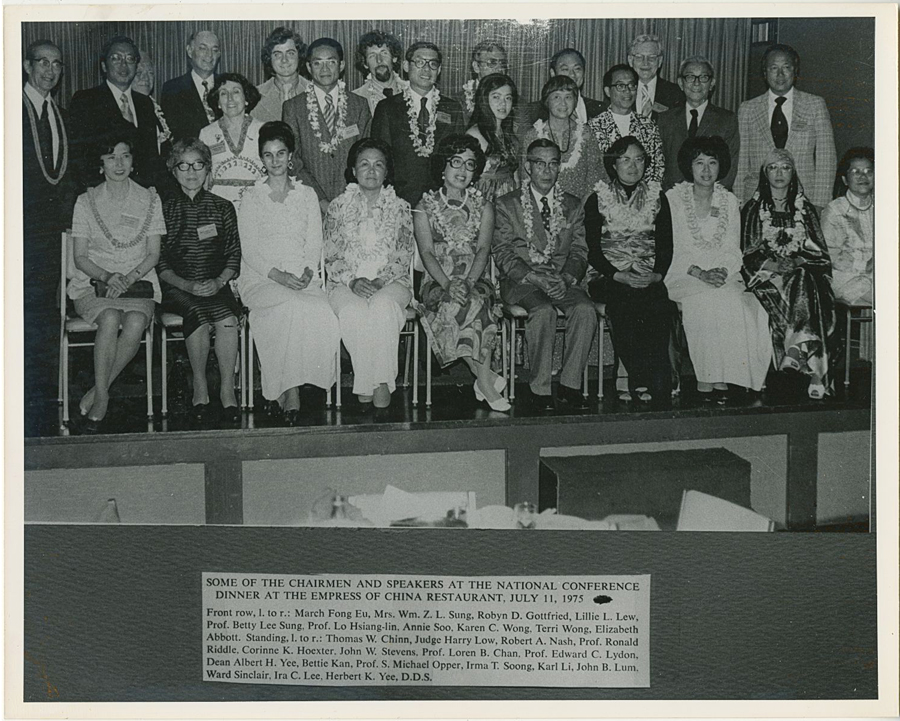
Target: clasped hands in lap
(365, 288)
(636, 279)
(289, 280)
(554, 284)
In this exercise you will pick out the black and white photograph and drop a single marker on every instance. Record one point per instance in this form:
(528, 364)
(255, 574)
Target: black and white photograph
(503, 354)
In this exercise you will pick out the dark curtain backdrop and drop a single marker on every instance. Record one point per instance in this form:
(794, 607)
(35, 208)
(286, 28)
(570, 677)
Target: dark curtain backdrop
(725, 41)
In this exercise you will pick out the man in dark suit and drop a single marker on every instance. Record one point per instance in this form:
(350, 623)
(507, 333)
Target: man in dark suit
(414, 121)
(340, 119)
(655, 95)
(48, 197)
(540, 249)
(183, 99)
(698, 117)
(568, 62)
(112, 107)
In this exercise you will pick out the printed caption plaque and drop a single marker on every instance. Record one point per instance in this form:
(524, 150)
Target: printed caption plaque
(400, 630)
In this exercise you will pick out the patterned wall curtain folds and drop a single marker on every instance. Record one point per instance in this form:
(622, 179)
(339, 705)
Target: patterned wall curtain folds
(604, 42)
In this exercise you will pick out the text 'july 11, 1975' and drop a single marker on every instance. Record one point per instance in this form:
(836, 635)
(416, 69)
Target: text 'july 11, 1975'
(400, 630)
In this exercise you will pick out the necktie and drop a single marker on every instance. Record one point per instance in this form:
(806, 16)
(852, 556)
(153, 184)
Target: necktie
(388, 92)
(692, 128)
(126, 109)
(209, 113)
(646, 102)
(329, 113)
(45, 136)
(779, 124)
(545, 214)
(423, 119)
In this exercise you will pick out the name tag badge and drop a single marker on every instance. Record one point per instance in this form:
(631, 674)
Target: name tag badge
(205, 232)
(442, 117)
(129, 221)
(350, 131)
(217, 148)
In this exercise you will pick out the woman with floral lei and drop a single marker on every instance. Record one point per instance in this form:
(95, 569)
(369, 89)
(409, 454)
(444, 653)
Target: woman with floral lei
(726, 328)
(368, 247)
(454, 227)
(582, 161)
(786, 264)
(629, 237)
(494, 129)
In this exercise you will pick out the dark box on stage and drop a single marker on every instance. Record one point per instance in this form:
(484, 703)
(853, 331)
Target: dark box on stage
(649, 483)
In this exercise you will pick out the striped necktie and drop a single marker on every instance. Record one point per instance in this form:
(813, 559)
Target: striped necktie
(646, 102)
(329, 113)
(125, 107)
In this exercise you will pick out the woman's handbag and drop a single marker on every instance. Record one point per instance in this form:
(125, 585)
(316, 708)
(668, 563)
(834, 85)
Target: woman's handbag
(138, 289)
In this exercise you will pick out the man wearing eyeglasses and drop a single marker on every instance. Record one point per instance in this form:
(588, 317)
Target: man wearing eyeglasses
(540, 249)
(112, 107)
(698, 118)
(488, 57)
(654, 94)
(184, 99)
(414, 121)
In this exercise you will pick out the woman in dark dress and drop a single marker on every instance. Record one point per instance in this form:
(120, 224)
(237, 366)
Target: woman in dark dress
(201, 253)
(629, 237)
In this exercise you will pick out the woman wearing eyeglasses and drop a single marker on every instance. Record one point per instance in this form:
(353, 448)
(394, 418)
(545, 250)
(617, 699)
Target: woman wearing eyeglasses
(454, 227)
(201, 253)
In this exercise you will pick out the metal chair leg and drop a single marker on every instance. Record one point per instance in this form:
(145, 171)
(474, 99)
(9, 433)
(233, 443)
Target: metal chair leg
(428, 355)
(165, 372)
(148, 342)
(503, 353)
(251, 398)
(415, 340)
(849, 337)
(601, 328)
(64, 360)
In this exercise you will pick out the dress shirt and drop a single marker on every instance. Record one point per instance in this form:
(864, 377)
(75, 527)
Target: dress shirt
(417, 99)
(787, 108)
(320, 96)
(37, 100)
(198, 82)
(117, 94)
(581, 110)
(700, 110)
(537, 198)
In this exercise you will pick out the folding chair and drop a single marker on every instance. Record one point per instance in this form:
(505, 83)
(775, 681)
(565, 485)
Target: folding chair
(864, 314)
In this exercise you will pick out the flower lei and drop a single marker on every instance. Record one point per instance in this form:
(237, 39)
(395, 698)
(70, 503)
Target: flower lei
(163, 132)
(312, 111)
(139, 237)
(457, 239)
(387, 213)
(426, 149)
(625, 215)
(557, 223)
(719, 208)
(469, 88)
(543, 130)
(788, 240)
(63, 143)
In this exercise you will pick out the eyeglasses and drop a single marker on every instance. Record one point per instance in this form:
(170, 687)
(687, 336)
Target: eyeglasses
(622, 87)
(45, 64)
(457, 162)
(637, 160)
(542, 165)
(861, 171)
(694, 79)
(119, 59)
(184, 167)
(421, 63)
(646, 58)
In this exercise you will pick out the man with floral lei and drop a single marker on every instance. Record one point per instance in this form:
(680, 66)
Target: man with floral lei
(379, 54)
(488, 57)
(414, 121)
(539, 247)
(326, 120)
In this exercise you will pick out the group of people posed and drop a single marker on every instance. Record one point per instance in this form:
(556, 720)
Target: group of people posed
(314, 207)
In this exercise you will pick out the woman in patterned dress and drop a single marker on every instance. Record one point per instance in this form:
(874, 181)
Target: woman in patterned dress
(368, 247)
(454, 227)
(116, 229)
(494, 129)
(233, 137)
(200, 255)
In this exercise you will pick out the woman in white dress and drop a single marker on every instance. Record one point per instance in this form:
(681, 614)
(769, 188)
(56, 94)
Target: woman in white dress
(295, 330)
(726, 328)
(233, 138)
(368, 246)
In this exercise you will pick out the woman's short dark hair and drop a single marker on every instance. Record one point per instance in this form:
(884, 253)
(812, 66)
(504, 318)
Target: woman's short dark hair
(376, 38)
(555, 84)
(451, 145)
(618, 150)
(860, 153)
(251, 94)
(608, 75)
(184, 146)
(107, 144)
(365, 144)
(714, 146)
(279, 36)
(276, 130)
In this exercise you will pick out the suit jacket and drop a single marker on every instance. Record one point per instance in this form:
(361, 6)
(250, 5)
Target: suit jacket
(95, 114)
(183, 107)
(327, 170)
(391, 124)
(673, 131)
(810, 141)
(668, 95)
(510, 249)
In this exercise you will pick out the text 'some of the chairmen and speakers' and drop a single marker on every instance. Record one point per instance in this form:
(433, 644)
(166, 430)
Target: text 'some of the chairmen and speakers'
(404, 630)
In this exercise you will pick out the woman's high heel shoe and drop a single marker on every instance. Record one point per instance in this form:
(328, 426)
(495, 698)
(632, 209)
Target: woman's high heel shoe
(817, 391)
(499, 386)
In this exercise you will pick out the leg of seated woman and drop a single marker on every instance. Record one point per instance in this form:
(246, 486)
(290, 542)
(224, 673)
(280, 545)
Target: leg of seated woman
(105, 349)
(197, 344)
(226, 354)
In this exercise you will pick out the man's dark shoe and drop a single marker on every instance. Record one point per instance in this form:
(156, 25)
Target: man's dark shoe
(570, 398)
(542, 403)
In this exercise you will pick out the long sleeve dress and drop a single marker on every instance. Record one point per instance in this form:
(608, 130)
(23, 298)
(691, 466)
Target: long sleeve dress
(726, 328)
(296, 331)
(378, 248)
(235, 167)
(849, 232)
